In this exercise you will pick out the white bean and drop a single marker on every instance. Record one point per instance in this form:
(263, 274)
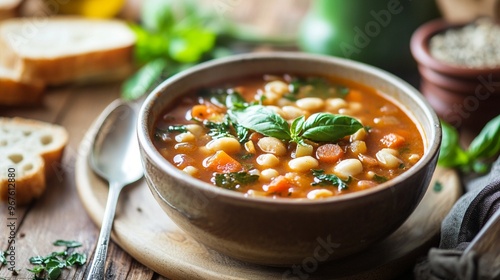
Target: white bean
(278, 87)
(303, 164)
(267, 160)
(191, 170)
(185, 137)
(195, 129)
(386, 121)
(227, 144)
(272, 145)
(311, 104)
(413, 158)
(334, 104)
(387, 159)
(268, 174)
(348, 167)
(292, 112)
(319, 193)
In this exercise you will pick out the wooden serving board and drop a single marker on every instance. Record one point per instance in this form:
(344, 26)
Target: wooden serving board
(143, 230)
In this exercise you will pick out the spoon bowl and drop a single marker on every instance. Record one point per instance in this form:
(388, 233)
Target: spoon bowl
(115, 157)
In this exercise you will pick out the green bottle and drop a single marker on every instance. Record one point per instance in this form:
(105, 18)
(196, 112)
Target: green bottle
(376, 32)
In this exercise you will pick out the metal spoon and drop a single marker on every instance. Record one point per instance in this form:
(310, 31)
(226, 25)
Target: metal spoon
(114, 157)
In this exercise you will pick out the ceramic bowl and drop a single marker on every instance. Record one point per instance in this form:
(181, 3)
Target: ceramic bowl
(280, 232)
(465, 97)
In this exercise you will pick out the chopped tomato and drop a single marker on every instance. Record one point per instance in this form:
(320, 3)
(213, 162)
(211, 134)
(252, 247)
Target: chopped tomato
(222, 162)
(330, 153)
(354, 96)
(278, 184)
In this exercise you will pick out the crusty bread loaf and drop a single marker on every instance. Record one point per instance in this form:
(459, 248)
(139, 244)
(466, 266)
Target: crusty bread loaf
(9, 8)
(59, 50)
(33, 149)
(15, 92)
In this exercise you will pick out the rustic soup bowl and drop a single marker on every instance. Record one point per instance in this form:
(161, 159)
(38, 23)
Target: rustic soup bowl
(280, 232)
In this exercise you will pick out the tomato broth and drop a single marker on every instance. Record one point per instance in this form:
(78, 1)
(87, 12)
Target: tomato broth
(289, 136)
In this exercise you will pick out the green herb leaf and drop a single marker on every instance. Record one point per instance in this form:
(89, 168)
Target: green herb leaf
(218, 130)
(3, 259)
(234, 180)
(315, 87)
(262, 120)
(190, 43)
(76, 258)
(296, 129)
(326, 127)
(487, 143)
(322, 179)
(142, 81)
(379, 179)
(68, 244)
(451, 154)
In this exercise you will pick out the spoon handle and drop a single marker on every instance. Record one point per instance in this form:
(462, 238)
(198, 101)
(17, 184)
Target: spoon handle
(99, 261)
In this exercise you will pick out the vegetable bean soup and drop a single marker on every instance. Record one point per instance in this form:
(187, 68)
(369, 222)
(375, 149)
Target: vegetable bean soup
(289, 136)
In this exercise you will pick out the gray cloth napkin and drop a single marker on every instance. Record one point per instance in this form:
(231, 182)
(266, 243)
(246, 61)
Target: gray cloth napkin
(461, 225)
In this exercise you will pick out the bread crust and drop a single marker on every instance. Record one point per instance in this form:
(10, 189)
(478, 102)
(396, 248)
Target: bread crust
(79, 68)
(43, 143)
(18, 93)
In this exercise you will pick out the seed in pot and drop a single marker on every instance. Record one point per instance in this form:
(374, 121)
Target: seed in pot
(476, 45)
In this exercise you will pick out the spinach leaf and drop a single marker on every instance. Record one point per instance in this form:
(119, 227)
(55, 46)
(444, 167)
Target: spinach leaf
(325, 127)
(234, 180)
(451, 154)
(68, 244)
(218, 130)
(379, 179)
(262, 120)
(315, 87)
(322, 179)
(487, 143)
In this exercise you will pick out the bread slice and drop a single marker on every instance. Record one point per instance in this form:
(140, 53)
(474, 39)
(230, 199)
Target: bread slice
(60, 50)
(31, 150)
(15, 92)
(9, 8)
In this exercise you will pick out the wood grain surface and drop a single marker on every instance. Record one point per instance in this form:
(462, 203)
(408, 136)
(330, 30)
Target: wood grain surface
(59, 214)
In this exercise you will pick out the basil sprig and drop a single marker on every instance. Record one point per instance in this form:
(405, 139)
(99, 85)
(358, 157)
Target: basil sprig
(478, 156)
(319, 127)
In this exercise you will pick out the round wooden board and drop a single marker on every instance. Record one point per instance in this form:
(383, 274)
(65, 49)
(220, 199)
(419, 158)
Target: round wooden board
(143, 230)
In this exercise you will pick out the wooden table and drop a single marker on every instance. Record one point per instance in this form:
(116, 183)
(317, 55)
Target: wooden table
(59, 213)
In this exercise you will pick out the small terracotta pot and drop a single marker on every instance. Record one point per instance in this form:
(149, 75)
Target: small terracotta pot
(465, 97)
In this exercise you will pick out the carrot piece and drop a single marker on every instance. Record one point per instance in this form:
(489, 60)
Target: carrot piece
(222, 162)
(354, 96)
(393, 140)
(278, 184)
(201, 112)
(330, 153)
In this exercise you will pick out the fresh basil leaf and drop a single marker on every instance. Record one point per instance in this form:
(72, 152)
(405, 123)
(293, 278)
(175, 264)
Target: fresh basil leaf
(322, 179)
(142, 81)
(487, 142)
(234, 180)
(235, 100)
(262, 120)
(296, 129)
(76, 258)
(149, 45)
(326, 127)
(158, 15)
(190, 43)
(451, 154)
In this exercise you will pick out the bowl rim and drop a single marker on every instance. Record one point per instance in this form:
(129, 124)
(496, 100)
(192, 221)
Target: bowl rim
(419, 46)
(156, 158)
